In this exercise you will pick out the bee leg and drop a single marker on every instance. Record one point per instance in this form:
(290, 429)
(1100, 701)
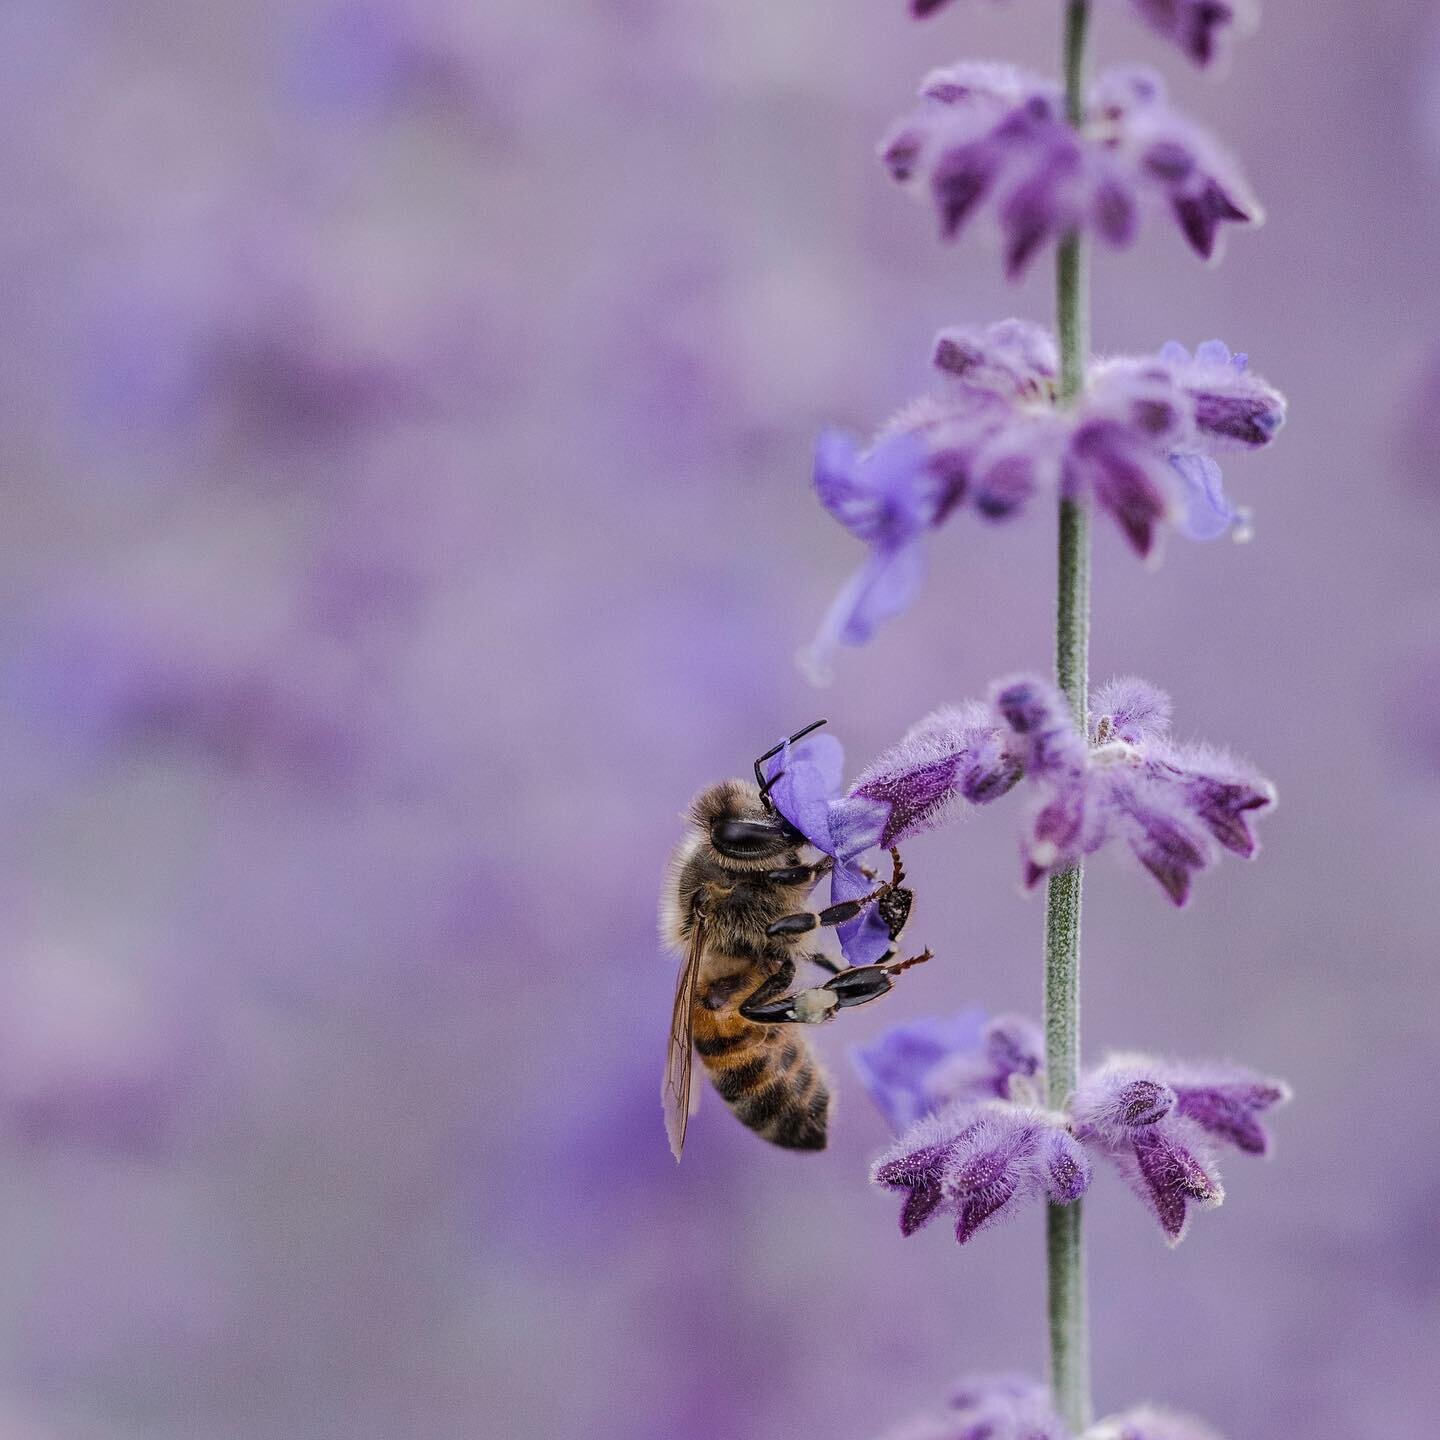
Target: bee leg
(863, 983)
(824, 962)
(768, 1004)
(798, 874)
(889, 895)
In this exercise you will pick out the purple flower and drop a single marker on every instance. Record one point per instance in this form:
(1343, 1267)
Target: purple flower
(920, 1066)
(988, 134)
(982, 1163)
(888, 497)
(896, 1067)
(977, 1147)
(1202, 29)
(1139, 443)
(1174, 806)
(807, 794)
(1154, 1122)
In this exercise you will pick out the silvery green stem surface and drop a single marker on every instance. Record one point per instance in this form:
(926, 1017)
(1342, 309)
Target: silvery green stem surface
(1065, 1256)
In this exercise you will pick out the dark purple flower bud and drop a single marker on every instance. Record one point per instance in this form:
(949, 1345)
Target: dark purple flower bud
(1233, 408)
(1202, 29)
(918, 1163)
(1014, 1046)
(994, 1171)
(1040, 717)
(1225, 805)
(1169, 1170)
(1226, 1101)
(1010, 357)
(1160, 836)
(898, 1066)
(1106, 462)
(953, 756)
(982, 1161)
(901, 153)
(1124, 1094)
(1066, 1167)
(1202, 212)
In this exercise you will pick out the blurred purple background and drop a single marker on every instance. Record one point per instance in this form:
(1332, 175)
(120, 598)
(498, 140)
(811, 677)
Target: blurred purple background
(407, 412)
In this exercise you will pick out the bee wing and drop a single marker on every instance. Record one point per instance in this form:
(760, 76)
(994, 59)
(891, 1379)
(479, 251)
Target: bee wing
(675, 1092)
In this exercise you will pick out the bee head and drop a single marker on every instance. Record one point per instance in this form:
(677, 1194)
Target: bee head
(741, 826)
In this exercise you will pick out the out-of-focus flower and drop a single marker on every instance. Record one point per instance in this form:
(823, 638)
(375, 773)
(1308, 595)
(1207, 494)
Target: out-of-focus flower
(1174, 806)
(1015, 1407)
(918, 1067)
(896, 1068)
(1140, 443)
(1202, 29)
(988, 133)
(1154, 1120)
(888, 497)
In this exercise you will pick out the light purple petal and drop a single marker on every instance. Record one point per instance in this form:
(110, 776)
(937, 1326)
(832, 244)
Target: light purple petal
(1203, 512)
(810, 777)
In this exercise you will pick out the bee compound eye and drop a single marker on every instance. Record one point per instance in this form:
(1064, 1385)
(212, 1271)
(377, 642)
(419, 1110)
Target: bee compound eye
(748, 839)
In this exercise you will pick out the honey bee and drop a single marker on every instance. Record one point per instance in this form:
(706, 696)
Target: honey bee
(733, 907)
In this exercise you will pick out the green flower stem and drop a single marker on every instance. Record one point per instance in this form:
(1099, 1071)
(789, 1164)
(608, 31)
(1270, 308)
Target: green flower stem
(1064, 1250)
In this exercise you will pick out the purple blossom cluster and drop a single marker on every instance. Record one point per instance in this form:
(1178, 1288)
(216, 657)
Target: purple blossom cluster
(1140, 444)
(1202, 29)
(989, 134)
(979, 1145)
(1175, 807)
(1015, 1407)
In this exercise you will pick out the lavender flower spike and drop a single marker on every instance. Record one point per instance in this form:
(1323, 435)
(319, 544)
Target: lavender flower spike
(991, 136)
(886, 497)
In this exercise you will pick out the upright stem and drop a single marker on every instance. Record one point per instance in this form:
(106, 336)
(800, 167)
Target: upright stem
(1065, 1256)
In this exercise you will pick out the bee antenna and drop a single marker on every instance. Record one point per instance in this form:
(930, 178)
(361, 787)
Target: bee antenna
(764, 784)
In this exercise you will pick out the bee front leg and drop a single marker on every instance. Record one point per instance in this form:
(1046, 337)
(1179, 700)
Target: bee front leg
(893, 899)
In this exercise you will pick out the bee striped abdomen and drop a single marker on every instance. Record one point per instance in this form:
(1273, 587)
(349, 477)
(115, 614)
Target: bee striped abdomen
(768, 1075)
